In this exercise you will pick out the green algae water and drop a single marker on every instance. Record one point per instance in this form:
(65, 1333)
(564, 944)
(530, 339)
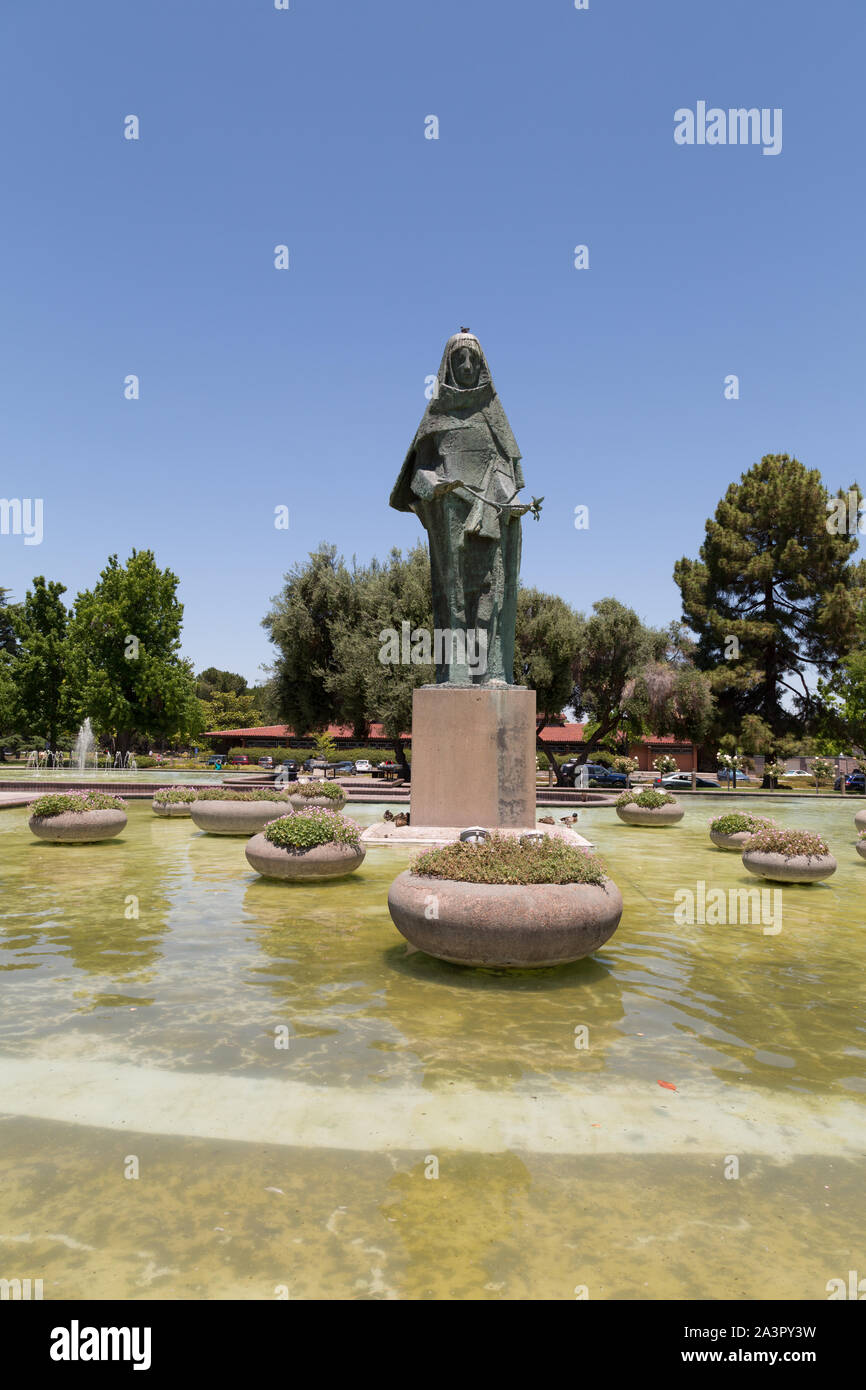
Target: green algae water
(214, 1086)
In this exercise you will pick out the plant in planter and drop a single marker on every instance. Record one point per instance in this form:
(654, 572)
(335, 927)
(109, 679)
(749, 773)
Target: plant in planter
(734, 831)
(328, 795)
(861, 844)
(77, 817)
(224, 811)
(173, 801)
(788, 856)
(311, 844)
(649, 807)
(506, 902)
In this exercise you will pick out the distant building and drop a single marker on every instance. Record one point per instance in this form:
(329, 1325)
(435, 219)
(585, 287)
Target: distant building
(560, 738)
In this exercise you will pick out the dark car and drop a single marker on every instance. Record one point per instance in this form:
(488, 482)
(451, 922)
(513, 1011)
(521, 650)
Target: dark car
(683, 780)
(288, 771)
(854, 782)
(216, 760)
(343, 769)
(597, 773)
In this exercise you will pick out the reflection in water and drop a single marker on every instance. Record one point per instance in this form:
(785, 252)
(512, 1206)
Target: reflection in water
(217, 960)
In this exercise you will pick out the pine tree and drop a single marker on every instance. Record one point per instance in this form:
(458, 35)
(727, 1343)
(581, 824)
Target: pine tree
(774, 597)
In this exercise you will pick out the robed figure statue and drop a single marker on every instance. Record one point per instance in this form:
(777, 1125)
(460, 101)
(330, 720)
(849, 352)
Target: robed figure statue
(461, 477)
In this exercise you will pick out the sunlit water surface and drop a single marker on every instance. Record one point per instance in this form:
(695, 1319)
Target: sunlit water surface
(313, 1108)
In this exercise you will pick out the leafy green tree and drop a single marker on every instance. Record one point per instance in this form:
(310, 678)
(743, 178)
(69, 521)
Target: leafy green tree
(843, 703)
(615, 648)
(39, 670)
(228, 710)
(546, 646)
(8, 635)
(774, 595)
(213, 681)
(301, 621)
(372, 681)
(125, 667)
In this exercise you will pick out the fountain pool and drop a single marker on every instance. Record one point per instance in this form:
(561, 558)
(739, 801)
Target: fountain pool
(313, 1108)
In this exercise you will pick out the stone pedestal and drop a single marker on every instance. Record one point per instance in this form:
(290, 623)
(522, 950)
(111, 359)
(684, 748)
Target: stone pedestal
(473, 757)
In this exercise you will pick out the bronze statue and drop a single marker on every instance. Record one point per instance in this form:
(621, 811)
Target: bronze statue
(461, 478)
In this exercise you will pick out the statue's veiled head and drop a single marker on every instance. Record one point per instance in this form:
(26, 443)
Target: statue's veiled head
(465, 364)
(463, 372)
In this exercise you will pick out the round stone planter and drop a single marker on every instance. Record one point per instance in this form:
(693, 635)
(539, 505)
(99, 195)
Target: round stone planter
(651, 815)
(235, 817)
(322, 861)
(800, 869)
(78, 827)
(171, 808)
(300, 803)
(737, 841)
(861, 848)
(514, 926)
(860, 820)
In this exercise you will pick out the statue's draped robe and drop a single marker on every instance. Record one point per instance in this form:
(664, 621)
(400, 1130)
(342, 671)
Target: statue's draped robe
(474, 547)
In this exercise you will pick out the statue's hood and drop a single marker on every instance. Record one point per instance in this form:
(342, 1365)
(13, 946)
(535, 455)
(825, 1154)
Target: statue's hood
(450, 408)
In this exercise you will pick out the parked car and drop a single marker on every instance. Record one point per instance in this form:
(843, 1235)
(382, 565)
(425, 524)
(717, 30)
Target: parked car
(343, 769)
(289, 770)
(794, 773)
(215, 760)
(854, 782)
(266, 762)
(725, 774)
(683, 780)
(239, 760)
(599, 776)
(363, 765)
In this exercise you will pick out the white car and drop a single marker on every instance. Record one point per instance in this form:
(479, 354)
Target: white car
(796, 772)
(363, 765)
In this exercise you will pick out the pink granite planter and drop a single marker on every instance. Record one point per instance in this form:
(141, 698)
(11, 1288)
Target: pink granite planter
(322, 861)
(737, 841)
(235, 817)
(302, 803)
(513, 926)
(78, 827)
(861, 848)
(800, 868)
(651, 815)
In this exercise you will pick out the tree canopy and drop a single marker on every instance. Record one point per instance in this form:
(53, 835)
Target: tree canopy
(774, 597)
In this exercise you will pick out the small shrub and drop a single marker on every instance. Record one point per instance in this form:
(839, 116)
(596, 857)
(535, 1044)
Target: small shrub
(738, 821)
(58, 803)
(771, 839)
(503, 859)
(332, 791)
(144, 760)
(649, 799)
(306, 829)
(254, 794)
(174, 796)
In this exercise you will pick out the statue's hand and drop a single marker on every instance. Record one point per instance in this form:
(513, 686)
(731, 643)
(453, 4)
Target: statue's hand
(442, 489)
(519, 508)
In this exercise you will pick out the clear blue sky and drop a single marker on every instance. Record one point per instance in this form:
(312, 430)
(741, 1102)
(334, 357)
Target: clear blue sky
(304, 388)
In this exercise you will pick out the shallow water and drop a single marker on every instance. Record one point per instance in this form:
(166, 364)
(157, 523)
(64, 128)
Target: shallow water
(148, 986)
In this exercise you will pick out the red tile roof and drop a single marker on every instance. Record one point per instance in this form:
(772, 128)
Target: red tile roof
(555, 733)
